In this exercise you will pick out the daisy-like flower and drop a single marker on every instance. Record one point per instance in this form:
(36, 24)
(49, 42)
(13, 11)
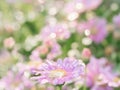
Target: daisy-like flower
(94, 28)
(100, 75)
(16, 79)
(98, 71)
(13, 82)
(98, 30)
(60, 72)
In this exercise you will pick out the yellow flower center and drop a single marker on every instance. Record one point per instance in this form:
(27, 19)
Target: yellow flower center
(58, 73)
(116, 79)
(94, 31)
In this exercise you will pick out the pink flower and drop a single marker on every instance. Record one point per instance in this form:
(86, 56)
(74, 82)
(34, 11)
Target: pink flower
(100, 75)
(96, 28)
(9, 42)
(60, 72)
(50, 49)
(91, 4)
(97, 71)
(16, 79)
(86, 53)
(58, 31)
(81, 6)
(81, 27)
(116, 20)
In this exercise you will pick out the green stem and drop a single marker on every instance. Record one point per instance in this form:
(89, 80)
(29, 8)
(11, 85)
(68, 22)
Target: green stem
(84, 88)
(59, 87)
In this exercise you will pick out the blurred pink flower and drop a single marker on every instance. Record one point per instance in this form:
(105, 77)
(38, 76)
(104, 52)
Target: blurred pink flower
(50, 49)
(86, 53)
(100, 75)
(116, 20)
(9, 42)
(16, 79)
(95, 28)
(58, 31)
(80, 6)
(91, 4)
(81, 27)
(60, 72)
(95, 71)
(98, 30)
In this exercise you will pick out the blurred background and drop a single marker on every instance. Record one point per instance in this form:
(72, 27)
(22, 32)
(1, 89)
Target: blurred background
(23, 22)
